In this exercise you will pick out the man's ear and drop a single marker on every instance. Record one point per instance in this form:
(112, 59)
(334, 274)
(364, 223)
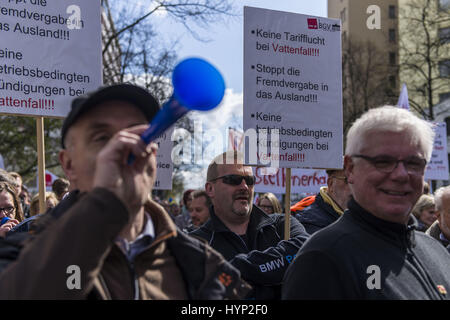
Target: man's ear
(66, 163)
(348, 169)
(209, 188)
(438, 216)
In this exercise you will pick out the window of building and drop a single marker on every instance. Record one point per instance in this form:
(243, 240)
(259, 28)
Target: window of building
(444, 96)
(392, 82)
(391, 12)
(391, 35)
(392, 60)
(447, 123)
(444, 68)
(444, 35)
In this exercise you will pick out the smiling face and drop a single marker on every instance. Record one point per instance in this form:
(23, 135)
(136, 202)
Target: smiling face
(232, 203)
(388, 196)
(89, 134)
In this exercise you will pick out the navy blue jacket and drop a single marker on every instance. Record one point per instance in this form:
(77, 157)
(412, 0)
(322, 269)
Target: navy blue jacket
(265, 257)
(317, 216)
(364, 257)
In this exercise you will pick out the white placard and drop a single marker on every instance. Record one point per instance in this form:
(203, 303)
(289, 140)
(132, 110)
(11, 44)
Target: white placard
(292, 82)
(164, 164)
(50, 52)
(302, 180)
(437, 169)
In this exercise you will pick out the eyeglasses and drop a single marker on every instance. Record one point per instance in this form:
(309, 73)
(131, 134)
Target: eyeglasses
(235, 179)
(386, 164)
(7, 210)
(340, 178)
(270, 208)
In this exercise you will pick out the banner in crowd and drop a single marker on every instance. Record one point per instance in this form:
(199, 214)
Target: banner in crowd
(292, 85)
(164, 164)
(49, 179)
(302, 180)
(50, 52)
(437, 168)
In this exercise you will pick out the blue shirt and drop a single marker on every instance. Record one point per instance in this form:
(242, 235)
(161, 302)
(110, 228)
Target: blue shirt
(144, 239)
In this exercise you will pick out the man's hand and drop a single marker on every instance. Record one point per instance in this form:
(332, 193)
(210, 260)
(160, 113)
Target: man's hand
(131, 183)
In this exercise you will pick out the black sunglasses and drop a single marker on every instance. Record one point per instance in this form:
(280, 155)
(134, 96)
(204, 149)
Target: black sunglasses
(236, 179)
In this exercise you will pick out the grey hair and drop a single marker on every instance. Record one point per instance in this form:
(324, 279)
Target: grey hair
(390, 119)
(438, 195)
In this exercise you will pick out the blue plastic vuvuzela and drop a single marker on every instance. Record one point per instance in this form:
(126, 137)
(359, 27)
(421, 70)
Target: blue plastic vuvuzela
(197, 85)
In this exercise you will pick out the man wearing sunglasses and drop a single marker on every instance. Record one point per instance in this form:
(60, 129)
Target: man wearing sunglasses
(244, 234)
(373, 251)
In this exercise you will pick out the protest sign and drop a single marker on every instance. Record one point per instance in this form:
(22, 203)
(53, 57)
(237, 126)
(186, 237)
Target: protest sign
(50, 53)
(437, 168)
(292, 84)
(164, 165)
(302, 180)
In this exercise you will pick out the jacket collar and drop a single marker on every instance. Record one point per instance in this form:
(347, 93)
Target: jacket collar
(396, 232)
(258, 220)
(164, 226)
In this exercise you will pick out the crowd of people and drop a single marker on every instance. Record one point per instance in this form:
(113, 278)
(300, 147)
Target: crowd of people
(373, 232)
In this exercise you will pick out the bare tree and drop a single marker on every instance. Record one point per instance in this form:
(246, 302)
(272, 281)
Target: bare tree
(145, 56)
(421, 49)
(365, 86)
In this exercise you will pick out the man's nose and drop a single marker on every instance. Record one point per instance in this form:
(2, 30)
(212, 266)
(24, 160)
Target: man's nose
(244, 185)
(400, 171)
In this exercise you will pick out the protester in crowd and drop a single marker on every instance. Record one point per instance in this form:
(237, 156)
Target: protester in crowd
(125, 245)
(425, 212)
(60, 187)
(20, 191)
(373, 250)
(426, 188)
(50, 202)
(10, 209)
(25, 199)
(165, 204)
(329, 203)
(184, 221)
(7, 177)
(248, 237)
(440, 229)
(269, 203)
(177, 215)
(18, 179)
(200, 205)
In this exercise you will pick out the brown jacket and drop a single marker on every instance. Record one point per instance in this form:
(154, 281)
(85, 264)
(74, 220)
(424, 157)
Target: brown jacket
(173, 266)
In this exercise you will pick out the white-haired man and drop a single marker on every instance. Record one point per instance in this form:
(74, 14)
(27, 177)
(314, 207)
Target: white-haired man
(373, 251)
(440, 229)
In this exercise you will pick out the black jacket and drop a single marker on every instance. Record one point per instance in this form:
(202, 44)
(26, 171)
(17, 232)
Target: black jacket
(364, 257)
(317, 216)
(265, 257)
